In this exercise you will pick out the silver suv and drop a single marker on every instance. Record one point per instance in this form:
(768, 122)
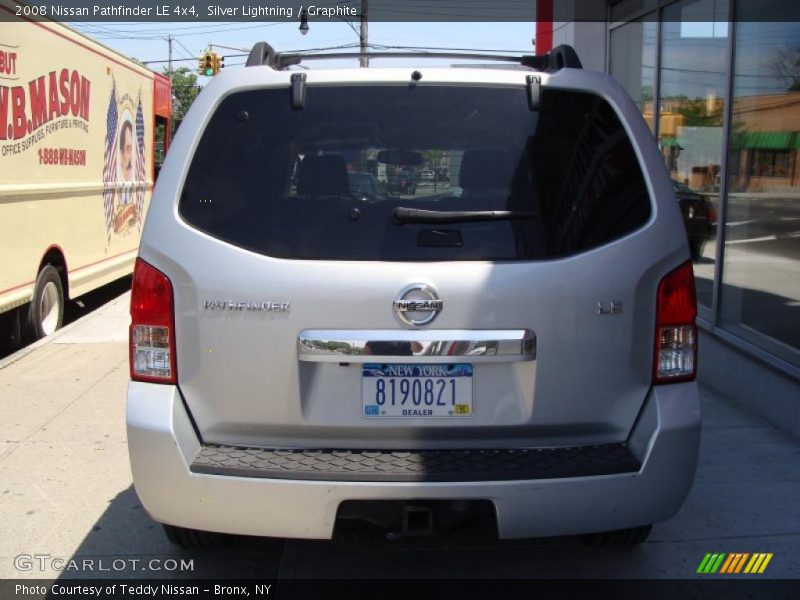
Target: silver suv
(515, 341)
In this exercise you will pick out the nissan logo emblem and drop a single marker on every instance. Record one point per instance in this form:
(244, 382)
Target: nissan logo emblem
(417, 304)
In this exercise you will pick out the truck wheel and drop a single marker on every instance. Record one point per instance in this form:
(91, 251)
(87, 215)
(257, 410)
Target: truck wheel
(193, 539)
(46, 310)
(619, 538)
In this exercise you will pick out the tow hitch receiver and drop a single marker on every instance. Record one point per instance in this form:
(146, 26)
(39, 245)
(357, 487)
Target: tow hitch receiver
(417, 521)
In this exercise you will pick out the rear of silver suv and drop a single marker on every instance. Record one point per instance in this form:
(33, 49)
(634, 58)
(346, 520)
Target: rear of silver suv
(309, 342)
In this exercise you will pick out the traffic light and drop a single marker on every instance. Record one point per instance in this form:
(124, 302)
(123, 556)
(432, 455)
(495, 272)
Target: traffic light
(210, 63)
(207, 60)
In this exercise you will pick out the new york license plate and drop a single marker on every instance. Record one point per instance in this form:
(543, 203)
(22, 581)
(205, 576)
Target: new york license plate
(416, 390)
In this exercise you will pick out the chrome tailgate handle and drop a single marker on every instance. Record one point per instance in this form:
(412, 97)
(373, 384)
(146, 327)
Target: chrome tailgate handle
(429, 346)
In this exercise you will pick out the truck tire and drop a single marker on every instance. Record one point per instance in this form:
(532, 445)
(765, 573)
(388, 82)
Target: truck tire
(193, 539)
(618, 538)
(11, 329)
(46, 310)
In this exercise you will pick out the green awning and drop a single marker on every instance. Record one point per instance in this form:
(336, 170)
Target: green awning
(669, 141)
(739, 140)
(769, 140)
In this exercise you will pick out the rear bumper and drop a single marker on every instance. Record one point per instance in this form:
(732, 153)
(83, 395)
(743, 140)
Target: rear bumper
(163, 445)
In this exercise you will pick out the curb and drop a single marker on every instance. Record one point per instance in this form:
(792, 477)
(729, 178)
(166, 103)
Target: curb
(23, 352)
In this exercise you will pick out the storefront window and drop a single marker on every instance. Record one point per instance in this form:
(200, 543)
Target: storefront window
(760, 295)
(633, 59)
(692, 102)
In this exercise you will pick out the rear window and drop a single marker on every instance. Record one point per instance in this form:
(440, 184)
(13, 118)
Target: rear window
(325, 181)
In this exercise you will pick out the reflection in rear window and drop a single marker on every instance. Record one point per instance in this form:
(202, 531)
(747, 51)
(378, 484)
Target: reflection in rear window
(323, 182)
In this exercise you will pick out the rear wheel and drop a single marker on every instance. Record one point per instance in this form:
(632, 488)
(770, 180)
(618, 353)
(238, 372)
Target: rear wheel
(193, 539)
(46, 310)
(618, 538)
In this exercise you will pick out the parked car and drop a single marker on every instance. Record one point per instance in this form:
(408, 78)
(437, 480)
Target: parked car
(524, 352)
(404, 182)
(699, 217)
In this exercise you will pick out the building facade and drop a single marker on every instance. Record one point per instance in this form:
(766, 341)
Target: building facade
(718, 81)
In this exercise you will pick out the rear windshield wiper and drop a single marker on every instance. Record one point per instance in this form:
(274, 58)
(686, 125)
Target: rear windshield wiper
(402, 214)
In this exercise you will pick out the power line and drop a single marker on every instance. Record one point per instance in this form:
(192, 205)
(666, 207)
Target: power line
(156, 35)
(422, 50)
(436, 48)
(188, 52)
(153, 62)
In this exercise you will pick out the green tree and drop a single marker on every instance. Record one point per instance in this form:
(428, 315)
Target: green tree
(786, 66)
(695, 111)
(184, 90)
(432, 157)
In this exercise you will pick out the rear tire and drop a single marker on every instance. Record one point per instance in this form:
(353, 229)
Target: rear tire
(46, 310)
(11, 329)
(619, 538)
(193, 539)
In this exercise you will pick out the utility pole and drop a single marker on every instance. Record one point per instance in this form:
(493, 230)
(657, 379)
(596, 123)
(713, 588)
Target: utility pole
(169, 62)
(364, 33)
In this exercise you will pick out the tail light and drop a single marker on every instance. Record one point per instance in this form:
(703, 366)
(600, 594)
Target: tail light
(676, 333)
(152, 331)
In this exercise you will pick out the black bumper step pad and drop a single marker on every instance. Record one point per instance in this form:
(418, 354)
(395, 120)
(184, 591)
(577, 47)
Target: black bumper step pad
(416, 465)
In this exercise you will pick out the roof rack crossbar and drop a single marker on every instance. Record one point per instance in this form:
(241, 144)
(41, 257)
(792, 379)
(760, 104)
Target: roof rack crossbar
(560, 57)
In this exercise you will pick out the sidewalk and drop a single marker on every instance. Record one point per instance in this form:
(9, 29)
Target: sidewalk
(65, 490)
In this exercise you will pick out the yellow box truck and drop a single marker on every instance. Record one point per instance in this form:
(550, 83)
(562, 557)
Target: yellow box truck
(77, 127)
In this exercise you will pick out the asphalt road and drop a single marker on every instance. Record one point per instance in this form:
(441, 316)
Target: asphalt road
(766, 223)
(761, 274)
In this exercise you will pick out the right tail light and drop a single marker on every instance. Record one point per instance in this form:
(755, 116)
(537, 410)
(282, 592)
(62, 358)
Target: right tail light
(675, 356)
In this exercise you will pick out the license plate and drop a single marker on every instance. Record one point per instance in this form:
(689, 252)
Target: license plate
(416, 390)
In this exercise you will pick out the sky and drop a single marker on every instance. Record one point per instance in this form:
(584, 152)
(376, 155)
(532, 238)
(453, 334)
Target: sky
(147, 42)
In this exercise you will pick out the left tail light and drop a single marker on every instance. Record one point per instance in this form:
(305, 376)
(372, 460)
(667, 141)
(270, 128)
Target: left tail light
(152, 331)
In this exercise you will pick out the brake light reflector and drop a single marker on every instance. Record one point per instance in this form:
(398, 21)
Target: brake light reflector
(152, 330)
(676, 333)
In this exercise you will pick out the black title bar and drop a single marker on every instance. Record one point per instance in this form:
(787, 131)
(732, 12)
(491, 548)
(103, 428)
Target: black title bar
(199, 11)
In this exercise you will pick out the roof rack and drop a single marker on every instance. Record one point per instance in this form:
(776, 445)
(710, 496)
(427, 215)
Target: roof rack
(560, 57)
